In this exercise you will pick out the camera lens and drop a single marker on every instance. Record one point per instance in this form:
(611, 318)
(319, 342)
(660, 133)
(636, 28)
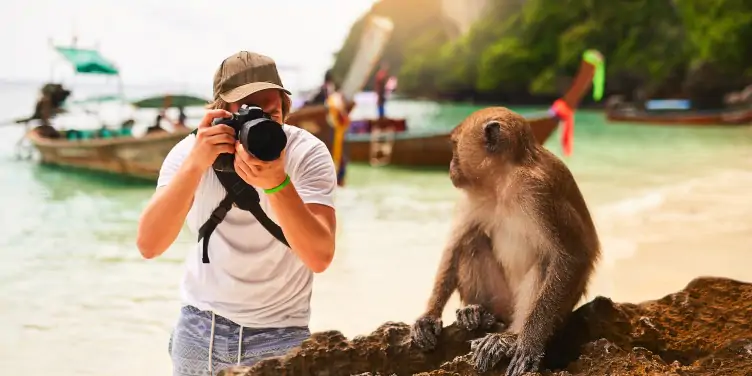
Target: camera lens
(263, 138)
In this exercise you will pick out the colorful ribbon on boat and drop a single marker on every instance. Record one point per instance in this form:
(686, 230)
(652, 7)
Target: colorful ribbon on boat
(340, 121)
(564, 113)
(595, 58)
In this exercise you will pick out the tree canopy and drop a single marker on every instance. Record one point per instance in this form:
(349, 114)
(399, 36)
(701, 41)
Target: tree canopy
(525, 51)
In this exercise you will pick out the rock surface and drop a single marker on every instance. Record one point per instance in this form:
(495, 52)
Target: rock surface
(704, 329)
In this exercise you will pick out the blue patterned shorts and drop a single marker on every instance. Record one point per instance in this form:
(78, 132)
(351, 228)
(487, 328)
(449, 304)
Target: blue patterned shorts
(192, 339)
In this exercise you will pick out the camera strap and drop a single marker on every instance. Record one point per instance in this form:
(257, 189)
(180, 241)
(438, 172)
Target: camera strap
(245, 197)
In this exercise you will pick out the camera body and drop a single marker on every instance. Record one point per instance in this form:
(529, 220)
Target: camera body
(260, 136)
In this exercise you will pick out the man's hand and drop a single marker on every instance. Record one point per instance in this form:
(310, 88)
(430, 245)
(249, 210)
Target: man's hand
(211, 141)
(309, 228)
(265, 175)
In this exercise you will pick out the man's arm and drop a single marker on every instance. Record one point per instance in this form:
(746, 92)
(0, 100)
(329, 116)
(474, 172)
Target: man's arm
(306, 211)
(164, 215)
(179, 177)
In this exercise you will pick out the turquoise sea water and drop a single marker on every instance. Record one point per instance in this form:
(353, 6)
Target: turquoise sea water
(77, 299)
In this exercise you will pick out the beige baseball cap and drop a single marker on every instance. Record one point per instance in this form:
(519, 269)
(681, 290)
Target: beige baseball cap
(245, 73)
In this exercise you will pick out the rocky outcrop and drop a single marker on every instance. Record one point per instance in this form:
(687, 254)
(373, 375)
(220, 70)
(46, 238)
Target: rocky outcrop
(704, 329)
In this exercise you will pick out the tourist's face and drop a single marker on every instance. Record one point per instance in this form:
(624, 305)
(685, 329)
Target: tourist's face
(270, 100)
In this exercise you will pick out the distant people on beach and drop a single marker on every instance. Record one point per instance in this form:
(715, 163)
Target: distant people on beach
(380, 87)
(157, 126)
(177, 124)
(325, 90)
(339, 119)
(180, 123)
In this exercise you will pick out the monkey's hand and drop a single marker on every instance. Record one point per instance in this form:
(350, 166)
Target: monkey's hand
(474, 316)
(425, 332)
(489, 350)
(527, 357)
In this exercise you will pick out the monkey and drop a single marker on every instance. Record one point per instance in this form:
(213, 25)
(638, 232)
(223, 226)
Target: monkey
(49, 104)
(522, 246)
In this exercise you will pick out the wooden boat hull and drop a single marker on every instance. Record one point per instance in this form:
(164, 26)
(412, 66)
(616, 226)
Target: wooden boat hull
(433, 150)
(314, 119)
(364, 126)
(140, 157)
(731, 117)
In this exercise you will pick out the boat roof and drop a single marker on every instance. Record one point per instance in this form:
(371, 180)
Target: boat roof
(170, 100)
(96, 99)
(88, 61)
(155, 101)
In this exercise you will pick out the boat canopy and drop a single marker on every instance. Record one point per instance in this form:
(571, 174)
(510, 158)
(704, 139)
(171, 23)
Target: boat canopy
(171, 100)
(156, 101)
(88, 61)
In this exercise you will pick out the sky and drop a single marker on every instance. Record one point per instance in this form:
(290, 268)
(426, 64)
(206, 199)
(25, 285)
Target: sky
(171, 41)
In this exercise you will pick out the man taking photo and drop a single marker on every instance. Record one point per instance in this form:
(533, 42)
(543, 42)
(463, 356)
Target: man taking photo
(252, 301)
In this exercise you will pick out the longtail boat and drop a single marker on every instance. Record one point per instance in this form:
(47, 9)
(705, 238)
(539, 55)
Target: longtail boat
(433, 149)
(110, 149)
(118, 151)
(138, 157)
(676, 112)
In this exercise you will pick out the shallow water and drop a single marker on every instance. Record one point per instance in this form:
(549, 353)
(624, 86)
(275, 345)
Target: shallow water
(76, 298)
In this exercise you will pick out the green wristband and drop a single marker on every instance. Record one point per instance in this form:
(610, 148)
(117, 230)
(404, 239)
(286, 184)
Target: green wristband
(280, 186)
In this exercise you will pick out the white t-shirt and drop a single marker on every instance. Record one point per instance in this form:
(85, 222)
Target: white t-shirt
(252, 279)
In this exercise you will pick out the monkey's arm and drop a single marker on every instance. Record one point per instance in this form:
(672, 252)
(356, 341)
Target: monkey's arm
(426, 329)
(445, 282)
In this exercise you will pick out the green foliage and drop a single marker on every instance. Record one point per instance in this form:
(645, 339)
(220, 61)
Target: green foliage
(718, 31)
(522, 48)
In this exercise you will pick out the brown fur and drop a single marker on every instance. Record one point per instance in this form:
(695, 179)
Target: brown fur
(523, 246)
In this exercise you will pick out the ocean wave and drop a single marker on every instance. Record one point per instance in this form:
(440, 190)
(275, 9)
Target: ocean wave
(668, 211)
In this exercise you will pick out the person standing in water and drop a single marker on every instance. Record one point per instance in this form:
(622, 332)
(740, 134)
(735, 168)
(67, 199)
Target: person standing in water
(339, 119)
(326, 89)
(382, 76)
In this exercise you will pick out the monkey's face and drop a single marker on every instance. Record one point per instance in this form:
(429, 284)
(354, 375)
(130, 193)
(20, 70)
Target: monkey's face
(60, 96)
(484, 142)
(56, 94)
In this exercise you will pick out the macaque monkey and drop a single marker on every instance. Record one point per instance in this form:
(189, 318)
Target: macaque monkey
(522, 248)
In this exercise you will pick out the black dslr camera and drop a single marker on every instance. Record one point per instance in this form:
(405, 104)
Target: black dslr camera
(261, 136)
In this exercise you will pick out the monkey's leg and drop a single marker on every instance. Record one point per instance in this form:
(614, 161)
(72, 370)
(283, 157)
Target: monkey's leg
(475, 316)
(425, 331)
(482, 287)
(491, 349)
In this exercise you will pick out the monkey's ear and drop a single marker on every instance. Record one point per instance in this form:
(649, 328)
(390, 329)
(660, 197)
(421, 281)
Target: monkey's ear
(492, 130)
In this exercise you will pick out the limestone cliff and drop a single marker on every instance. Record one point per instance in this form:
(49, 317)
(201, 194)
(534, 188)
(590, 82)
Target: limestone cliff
(416, 22)
(464, 13)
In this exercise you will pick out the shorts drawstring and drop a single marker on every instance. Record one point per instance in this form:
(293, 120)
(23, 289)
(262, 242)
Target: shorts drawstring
(211, 345)
(240, 344)
(204, 328)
